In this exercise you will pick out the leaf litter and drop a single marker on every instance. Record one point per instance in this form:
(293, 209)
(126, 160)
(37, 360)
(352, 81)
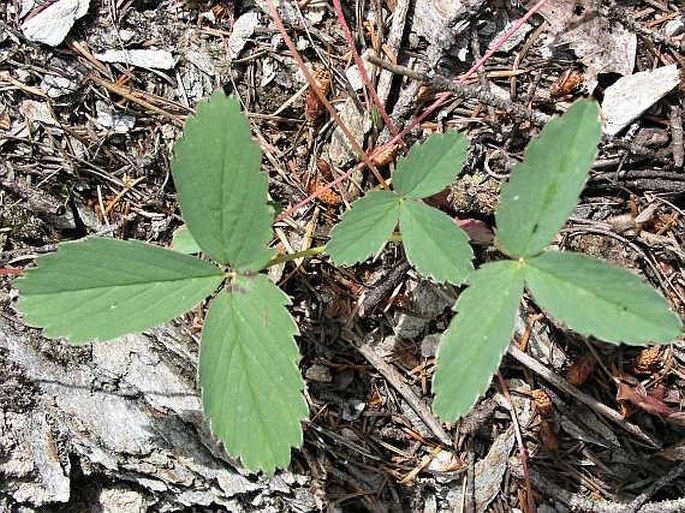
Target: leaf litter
(95, 179)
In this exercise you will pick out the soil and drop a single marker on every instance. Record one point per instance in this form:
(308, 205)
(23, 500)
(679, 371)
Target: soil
(86, 147)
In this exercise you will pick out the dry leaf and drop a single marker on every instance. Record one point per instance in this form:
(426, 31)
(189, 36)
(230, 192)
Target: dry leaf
(580, 371)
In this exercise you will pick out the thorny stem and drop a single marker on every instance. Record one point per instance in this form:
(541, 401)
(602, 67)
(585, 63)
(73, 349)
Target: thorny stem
(362, 69)
(294, 256)
(322, 98)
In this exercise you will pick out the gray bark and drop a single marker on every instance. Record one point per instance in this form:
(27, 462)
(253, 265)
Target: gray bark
(117, 426)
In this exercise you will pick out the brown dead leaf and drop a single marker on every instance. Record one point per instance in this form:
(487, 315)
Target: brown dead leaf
(548, 437)
(644, 400)
(580, 371)
(329, 197)
(313, 107)
(648, 359)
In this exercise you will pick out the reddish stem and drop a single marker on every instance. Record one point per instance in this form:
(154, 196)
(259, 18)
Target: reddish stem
(441, 98)
(461, 80)
(10, 271)
(362, 69)
(322, 98)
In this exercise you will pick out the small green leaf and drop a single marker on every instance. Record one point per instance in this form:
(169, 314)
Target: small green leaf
(104, 288)
(434, 244)
(472, 347)
(221, 190)
(595, 298)
(543, 190)
(431, 166)
(251, 386)
(365, 228)
(183, 242)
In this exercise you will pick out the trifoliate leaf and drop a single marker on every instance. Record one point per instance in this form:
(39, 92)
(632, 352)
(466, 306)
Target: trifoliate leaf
(251, 386)
(103, 288)
(473, 345)
(431, 166)
(183, 242)
(543, 190)
(365, 228)
(434, 244)
(598, 299)
(221, 190)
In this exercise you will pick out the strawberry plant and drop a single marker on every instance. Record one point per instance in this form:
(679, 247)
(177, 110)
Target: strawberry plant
(102, 288)
(588, 295)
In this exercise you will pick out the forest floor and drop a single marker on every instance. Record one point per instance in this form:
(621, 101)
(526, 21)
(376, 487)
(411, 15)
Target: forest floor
(86, 138)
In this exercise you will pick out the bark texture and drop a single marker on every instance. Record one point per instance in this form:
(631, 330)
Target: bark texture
(117, 426)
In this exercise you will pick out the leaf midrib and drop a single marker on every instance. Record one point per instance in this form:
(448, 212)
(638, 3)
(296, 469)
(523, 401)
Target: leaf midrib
(633, 313)
(548, 197)
(136, 284)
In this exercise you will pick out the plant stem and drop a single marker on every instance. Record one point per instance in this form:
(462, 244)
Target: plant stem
(294, 256)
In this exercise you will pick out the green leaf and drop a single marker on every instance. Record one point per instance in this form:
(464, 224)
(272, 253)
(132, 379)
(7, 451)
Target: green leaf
(104, 288)
(221, 190)
(365, 228)
(598, 299)
(472, 347)
(434, 244)
(183, 242)
(431, 166)
(251, 386)
(543, 190)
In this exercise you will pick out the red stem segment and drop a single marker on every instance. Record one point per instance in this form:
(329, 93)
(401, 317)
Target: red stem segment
(362, 69)
(322, 98)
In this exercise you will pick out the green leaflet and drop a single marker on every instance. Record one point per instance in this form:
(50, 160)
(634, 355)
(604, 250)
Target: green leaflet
(595, 298)
(104, 288)
(543, 190)
(183, 242)
(431, 166)
(365, 228)
(221, 190)
(434, 244)
(251, 386)
(473, 345)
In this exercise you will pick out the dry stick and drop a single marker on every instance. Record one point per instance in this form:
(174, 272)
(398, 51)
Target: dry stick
(397, 382)
(624, 18)
(322, 98)
(519, 441)
(577, 502)
(462, 91)
(362, 69)
(442, 98)
(675, 117)
(130, 94)
(592, 403)
(399, 18)
(657, 485)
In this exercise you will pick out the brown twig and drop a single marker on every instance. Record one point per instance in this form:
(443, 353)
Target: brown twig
(598, 407)
(615, 12)
(577, 502)
(462, 91)
(397, 382)
(519, 441)
(641, 500)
